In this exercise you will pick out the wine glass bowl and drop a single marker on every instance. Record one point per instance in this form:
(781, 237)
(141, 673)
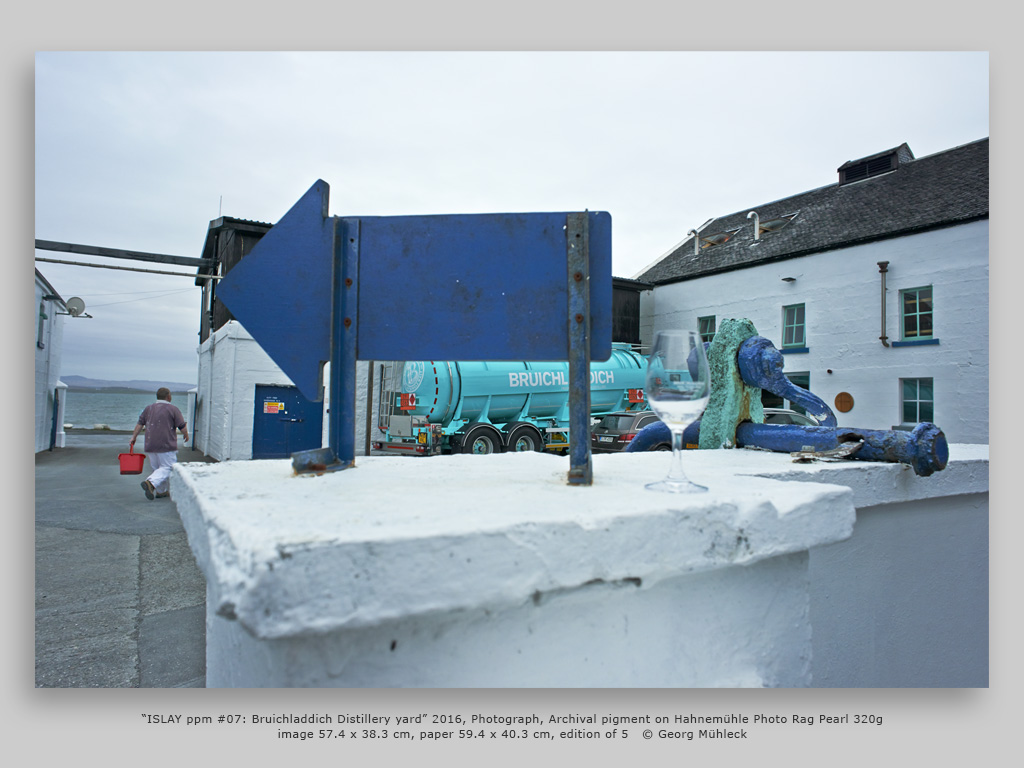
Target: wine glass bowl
(678, 388)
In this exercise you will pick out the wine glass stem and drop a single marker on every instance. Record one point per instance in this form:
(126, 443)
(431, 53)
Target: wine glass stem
(676, 472)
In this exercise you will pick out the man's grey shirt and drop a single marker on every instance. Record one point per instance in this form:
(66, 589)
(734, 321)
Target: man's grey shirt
(161, 419)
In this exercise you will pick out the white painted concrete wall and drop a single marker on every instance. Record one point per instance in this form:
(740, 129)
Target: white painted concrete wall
(469, 571)
(841, 291)
(47, 375)
(904, 602)
(61, 437)
(231, 364)
(705, 630)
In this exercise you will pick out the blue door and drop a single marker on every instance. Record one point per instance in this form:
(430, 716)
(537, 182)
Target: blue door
(284, 422)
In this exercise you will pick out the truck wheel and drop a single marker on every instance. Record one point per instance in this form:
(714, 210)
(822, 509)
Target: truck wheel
(523, 437)
(482, 439)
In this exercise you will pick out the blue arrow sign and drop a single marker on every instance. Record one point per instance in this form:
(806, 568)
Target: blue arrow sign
(511, 286)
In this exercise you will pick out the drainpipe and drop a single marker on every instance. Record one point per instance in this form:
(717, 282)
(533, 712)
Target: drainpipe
(757, 224)
(696, 243)
(883, 267)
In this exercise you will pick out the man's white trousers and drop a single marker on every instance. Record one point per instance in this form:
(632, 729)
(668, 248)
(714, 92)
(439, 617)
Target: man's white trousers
(161, 464)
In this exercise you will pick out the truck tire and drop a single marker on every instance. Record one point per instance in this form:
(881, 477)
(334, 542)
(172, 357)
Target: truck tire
(482, 439)
(521, 436)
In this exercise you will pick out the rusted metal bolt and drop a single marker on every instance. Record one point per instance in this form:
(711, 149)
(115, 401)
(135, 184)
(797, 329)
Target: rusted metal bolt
(348, 282)
(579, 318)
(348, 322)
(578, 276)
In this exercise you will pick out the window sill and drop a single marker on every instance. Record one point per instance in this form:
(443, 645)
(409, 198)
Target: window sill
(915, 343)
(795, 350)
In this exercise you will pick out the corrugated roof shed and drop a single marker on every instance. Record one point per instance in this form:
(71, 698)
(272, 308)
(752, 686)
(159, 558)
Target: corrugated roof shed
(940, 190)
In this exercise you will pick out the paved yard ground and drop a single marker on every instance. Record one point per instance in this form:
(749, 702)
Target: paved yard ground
(120, 602)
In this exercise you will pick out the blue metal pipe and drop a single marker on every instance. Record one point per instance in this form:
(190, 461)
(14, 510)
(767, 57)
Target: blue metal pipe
(924, 448)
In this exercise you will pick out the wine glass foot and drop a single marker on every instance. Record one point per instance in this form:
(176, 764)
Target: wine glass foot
(676, 486)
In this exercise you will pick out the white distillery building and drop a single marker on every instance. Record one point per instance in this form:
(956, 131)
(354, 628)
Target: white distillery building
(246, 407)
(49, 390)
(875, 288)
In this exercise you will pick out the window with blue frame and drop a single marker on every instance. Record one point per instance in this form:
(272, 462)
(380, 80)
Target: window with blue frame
(917, 309)
(793, 330)
(707, 327)
(917, 400)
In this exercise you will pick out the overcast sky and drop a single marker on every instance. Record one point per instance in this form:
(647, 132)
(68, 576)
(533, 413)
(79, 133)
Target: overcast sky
(140, 151)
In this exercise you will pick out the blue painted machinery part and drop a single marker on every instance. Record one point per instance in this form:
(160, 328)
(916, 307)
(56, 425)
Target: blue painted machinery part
(925, 448)
(760, 365)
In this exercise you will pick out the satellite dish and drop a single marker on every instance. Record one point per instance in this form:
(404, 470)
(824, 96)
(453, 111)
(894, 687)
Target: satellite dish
(75, 306)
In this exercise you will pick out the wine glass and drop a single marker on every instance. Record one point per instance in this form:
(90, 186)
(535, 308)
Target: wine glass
(678, 388)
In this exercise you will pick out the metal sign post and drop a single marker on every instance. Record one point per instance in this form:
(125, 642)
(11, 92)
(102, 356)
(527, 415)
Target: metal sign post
(578, 259)
(448, 287)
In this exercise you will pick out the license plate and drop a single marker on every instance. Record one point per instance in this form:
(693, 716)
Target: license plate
(605, 439)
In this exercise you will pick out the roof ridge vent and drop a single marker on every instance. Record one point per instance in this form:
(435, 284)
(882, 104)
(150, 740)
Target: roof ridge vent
(874, 165)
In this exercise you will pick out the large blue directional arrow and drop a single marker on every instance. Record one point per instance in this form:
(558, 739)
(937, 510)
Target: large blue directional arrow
(449, 287)
(511, 286)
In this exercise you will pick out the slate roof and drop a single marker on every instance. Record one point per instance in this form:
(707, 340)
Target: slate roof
(940, 190)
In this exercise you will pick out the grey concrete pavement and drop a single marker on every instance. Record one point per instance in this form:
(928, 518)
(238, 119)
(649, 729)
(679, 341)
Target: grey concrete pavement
(120, 602)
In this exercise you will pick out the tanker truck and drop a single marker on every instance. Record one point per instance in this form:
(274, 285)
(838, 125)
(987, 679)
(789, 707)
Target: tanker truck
(436, 407)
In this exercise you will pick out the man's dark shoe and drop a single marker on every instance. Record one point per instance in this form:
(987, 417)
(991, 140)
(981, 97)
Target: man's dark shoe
(149, 489)
(163, 495)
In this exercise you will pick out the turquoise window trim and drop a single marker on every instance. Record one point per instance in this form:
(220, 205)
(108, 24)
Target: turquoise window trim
(795, 350)
(918, 316)
(707, 326)
(916, 342)
(794, 326)
(917, 400)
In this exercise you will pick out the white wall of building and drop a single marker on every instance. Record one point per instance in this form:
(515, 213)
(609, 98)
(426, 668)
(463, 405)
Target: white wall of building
(841, 291)
(231, 364)
(49, 336)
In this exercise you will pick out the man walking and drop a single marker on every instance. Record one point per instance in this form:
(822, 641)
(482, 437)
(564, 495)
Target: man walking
(161, 420)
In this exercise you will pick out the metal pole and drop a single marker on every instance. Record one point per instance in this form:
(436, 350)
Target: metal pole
(883, 267)
(340, 452)
(343, 341)
(191, 275)
(578, 258)
(369, 404)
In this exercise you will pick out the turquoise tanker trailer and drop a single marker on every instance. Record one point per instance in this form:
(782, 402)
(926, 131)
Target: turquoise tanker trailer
(436, 407)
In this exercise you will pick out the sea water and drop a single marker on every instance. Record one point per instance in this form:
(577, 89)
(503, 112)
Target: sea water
(117, 410)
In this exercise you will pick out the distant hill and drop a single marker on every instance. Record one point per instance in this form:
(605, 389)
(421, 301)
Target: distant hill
(134, 385)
